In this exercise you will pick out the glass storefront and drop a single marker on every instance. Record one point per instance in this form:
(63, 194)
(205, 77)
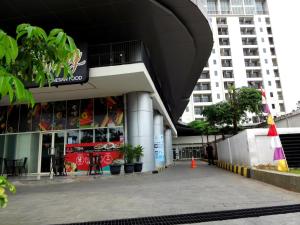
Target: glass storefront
(30, 133)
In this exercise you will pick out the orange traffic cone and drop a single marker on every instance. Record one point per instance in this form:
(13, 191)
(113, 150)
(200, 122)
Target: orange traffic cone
(193, 164)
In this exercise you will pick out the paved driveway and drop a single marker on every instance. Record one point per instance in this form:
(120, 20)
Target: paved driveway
(177, 190)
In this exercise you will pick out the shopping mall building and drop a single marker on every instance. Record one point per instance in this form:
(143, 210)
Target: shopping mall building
(140, 62)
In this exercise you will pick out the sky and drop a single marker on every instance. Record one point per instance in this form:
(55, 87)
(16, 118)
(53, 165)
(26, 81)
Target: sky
(285, 21)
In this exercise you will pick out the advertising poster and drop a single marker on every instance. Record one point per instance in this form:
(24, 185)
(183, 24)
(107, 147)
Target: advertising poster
(12, 119)
(86, 113)
(159, 150)
(59, 116)
(46, 122)
(25, 119)
(3, 118)
(73, 108)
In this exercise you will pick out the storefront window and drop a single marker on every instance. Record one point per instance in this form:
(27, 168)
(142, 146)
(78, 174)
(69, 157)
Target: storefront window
(100, 112)
(3, 118)
(46, 122)
(115, 111)
(36, 116)
(73, 114)
(86, 113)
(116, 134)
(86, 136)
(73, 137)
(101, 135)
(25, 119)
(59, 116)
(13, 119)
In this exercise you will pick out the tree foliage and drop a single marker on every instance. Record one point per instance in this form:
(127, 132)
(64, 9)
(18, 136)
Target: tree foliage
(34, 57)
(235, 110)
(4, 184)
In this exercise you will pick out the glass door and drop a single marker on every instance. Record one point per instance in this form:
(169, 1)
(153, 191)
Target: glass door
(52, 143)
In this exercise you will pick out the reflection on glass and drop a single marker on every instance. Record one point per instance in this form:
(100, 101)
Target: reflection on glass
(59, 116)
(25, 119)
(73, 137)
(86, 136)
(100, 112)
(73, 114)
(36, 115)
(116, 134)
(46, 117)
(86, 113)
(101, 135)
(3, 117)
(12, 119)
(115, 110)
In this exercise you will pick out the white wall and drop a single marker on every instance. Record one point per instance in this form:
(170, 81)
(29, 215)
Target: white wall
(250, 148)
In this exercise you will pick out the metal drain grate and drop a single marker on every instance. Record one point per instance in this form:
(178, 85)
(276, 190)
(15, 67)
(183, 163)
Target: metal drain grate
(200, 217)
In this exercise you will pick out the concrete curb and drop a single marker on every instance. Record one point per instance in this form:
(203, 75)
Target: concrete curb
(241, 170)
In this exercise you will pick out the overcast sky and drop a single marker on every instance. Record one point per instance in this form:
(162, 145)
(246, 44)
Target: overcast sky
(285, 20)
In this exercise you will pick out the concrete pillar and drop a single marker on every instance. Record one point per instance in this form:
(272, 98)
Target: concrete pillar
(159, 141)
(140, 126)
(168, 147)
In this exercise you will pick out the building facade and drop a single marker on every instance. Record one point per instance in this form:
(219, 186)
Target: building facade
(138, 68)
(244, 55)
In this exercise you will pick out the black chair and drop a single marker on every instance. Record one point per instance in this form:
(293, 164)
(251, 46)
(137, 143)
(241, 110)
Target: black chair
(95, 164)
(9, 169)
(22, 166)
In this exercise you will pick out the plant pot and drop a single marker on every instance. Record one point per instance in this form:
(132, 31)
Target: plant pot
(115, 169)
(138, 167)
(129, 167)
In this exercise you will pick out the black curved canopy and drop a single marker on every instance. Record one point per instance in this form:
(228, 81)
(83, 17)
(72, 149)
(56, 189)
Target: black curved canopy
(176, 33)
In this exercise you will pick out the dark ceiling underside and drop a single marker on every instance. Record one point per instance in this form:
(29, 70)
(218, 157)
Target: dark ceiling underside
(176, 33)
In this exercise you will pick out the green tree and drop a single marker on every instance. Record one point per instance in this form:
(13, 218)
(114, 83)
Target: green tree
(33, 56)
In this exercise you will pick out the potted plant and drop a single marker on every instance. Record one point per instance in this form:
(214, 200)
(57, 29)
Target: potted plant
(138, 165)
(115, 167)
(128, 152)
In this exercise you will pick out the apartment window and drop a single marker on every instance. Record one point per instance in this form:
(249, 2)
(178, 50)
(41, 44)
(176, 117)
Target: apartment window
(202, 98)
(224, 41)
(199, 110)
(255, 84)
(249, 41)
(274, 61)
(262, 40)
(187, 109)
(217, 84)
(248, 31)
(218, 96)
(216, 73)
(271, 41)
(278, 84)
(223, 31)
(221, 21)
(271, 94)
(246, 20)
(268, 72)
(204, 75)
(280, 96)
(215, 62)
(253, 73)
(273, 106)
(266, 61)
(252, 62)
(213, 51)
(269, 83)
(228, 74)
(259, 19)
(282, 108)
(202, 86)
(250, 51)
(228, 84)
(273, 52)
(276, 73)
(260, 29)
(268, 20)
(264, 50)
(226, 62)
(225, 52)
(269, 30)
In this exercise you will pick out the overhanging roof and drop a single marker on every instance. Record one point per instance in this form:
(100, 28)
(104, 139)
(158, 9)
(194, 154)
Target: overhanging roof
(176, 33)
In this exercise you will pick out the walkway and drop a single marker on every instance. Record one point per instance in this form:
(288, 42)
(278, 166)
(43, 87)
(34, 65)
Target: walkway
(177, 190)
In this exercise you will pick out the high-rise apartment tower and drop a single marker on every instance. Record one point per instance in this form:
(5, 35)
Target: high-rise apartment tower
(244, 55)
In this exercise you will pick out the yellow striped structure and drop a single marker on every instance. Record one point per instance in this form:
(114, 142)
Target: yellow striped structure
(241, 170)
